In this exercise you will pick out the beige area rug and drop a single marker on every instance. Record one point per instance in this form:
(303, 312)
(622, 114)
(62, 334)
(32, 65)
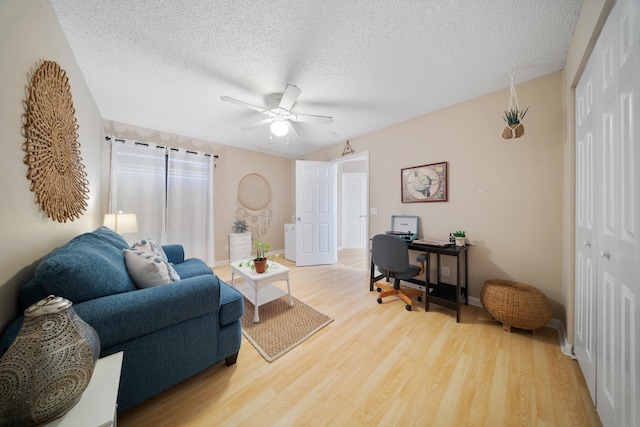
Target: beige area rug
(281, 327)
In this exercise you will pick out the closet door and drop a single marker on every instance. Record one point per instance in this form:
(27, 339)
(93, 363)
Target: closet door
(585, 244)
(607, 244)
(617, 269)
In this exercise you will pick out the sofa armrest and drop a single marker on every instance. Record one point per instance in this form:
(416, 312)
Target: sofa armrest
(175, 253)
(121, 317)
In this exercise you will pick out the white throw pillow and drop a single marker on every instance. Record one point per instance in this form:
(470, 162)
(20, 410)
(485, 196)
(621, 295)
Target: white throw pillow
(146, 269)
(151, 246)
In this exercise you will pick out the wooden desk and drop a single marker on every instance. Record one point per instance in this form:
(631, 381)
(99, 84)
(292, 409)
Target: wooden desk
(440, 293)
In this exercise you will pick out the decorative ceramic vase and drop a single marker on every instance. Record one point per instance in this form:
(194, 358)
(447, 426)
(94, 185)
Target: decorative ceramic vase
(49, 365)
(460, 241)
(260, 265)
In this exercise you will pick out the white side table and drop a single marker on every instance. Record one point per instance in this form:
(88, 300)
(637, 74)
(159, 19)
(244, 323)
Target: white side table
(260, 283)
(97, 406)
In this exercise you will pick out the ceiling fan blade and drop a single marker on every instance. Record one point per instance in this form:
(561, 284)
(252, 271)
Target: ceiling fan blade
(289, 97)
(293, 129)
(306, 118)
(243, 104)
(256, 124)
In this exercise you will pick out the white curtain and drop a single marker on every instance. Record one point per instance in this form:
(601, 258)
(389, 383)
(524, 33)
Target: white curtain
(190, 202)
(171, 192)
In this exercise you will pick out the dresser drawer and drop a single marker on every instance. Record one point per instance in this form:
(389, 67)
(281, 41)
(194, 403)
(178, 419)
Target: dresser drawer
(244, 248)
(239, 246)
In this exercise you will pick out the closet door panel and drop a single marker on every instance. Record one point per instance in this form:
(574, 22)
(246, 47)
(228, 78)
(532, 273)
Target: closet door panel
(628, 82)
(608, 337)
(585, 290)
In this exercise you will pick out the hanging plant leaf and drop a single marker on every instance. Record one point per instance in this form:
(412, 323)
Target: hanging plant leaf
(513, 116)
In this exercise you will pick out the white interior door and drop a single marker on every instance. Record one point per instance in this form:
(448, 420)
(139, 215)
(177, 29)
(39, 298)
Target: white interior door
(316, 213)
(354, 210)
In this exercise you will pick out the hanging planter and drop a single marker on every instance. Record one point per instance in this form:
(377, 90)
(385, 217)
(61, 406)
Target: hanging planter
(514, 128)
(513, 115)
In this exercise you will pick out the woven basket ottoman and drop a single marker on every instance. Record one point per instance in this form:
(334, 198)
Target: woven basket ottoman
(515, 304)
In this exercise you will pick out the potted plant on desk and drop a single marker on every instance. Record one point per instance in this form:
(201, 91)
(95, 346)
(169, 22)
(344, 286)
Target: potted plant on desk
(460, 237)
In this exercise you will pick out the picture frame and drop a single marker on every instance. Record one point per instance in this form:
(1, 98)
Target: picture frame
(425, 183)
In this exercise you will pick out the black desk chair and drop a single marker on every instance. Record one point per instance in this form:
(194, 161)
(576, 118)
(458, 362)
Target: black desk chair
(391, 255)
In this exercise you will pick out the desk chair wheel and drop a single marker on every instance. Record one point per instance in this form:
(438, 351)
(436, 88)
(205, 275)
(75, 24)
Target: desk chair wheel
(408, 307)
(420, 299)
(379, 290)
(379, 300)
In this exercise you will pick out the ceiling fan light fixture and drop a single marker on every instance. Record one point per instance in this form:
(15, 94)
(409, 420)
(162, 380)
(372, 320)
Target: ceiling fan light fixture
(279, 128)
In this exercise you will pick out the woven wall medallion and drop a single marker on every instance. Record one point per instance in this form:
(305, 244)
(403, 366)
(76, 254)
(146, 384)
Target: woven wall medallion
(56, 171)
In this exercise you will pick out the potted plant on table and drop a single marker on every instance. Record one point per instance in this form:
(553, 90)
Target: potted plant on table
(460, 237)
(260, 260)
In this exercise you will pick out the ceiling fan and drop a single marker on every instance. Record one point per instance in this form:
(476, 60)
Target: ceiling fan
(279, 113)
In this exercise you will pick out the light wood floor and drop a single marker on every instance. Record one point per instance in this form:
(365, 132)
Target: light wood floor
(382, 365)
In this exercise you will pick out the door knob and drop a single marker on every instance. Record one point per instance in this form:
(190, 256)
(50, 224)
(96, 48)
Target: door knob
(604, 254)
(587, 244)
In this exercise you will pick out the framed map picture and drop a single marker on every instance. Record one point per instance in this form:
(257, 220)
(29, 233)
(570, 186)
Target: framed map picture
(426, 183)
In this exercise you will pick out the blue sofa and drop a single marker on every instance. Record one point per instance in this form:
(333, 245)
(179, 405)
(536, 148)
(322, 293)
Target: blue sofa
(167, 333)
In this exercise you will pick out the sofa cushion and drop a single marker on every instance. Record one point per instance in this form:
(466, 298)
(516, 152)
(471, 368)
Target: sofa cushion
(146, 269)
(192, 267)
(109, 236)
(89, 266)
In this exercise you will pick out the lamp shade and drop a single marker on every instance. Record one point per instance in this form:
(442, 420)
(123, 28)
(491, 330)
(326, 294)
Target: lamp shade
(121, 222)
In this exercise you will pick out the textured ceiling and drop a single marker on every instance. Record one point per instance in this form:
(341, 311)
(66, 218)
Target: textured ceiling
(164, 64)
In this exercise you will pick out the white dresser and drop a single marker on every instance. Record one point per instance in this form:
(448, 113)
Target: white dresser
(239, 246)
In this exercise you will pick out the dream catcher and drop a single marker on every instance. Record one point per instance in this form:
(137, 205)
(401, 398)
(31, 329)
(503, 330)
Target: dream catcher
(254, 204)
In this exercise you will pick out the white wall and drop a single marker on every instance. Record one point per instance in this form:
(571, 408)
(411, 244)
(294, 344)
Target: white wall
(30, 33)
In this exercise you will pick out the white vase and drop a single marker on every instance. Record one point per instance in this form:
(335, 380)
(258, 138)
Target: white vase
(460, 241)
(49, 365)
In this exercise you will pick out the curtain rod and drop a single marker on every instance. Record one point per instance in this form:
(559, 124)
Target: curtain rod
(108, 138)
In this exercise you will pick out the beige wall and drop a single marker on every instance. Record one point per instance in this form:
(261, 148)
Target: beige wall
(507, 195)
(30, 33)
(231, 166)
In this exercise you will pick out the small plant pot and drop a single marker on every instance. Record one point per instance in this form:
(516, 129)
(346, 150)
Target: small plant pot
(260, 265)
(513, 131)
(460, 241)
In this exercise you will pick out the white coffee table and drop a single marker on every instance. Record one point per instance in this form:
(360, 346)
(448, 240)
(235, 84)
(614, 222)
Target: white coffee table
(260, 284)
